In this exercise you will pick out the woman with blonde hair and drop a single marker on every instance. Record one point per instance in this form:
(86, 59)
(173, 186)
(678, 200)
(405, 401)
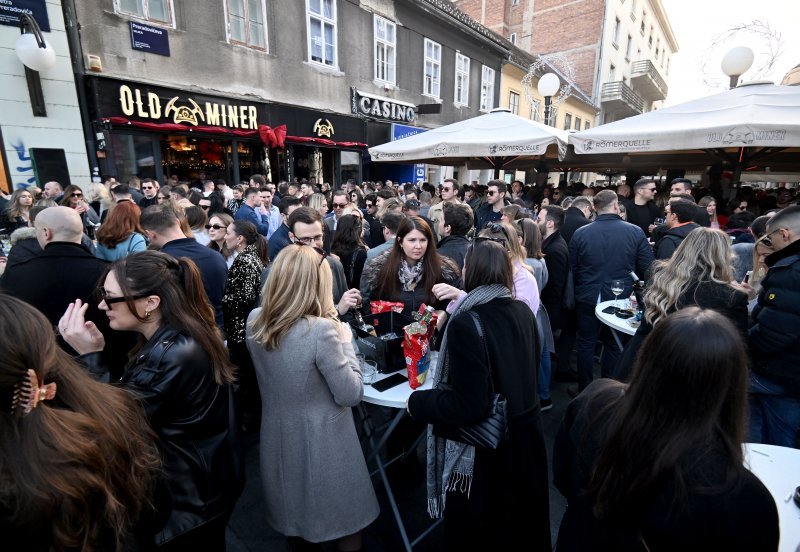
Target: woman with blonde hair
(315, 478)
(319, 203)
(698, 273)
(217, 227)
(390, 204)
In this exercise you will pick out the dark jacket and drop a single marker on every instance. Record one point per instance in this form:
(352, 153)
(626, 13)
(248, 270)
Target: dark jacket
(353, 264)
(278, 240)
(509, 492)
(608, 249)
(671, 239)
(241, 293)
(484, 215)
(775, 333)
(173, 379)
(245, 212)
(144, 203)
(573, 219)
(10, 224)
(642, 215)
(556, 257)
(454, 247)
(212, 266)
(375, 230)
(24, 246)
(720, 513)
(723, 298)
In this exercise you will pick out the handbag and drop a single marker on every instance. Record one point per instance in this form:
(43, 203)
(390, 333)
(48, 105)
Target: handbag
(490, 432)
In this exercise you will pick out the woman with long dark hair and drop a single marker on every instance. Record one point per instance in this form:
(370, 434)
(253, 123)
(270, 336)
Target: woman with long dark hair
(491, 499)
(348, 245)
(77, 459)
(121, 233)
(74, 199)
(17, 212)
(181, 375)
(657, 464)
(408, 271)
(242, 291)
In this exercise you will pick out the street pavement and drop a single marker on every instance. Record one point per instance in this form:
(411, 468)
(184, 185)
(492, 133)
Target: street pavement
(248, 530)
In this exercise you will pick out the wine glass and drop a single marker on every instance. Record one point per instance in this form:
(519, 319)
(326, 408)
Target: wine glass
(617, 287)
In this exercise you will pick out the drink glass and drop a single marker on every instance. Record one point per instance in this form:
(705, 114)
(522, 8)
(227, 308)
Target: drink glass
(369, 371)
(617, 287)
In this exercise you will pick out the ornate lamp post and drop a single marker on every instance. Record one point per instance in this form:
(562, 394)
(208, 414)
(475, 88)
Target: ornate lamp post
(548, 85)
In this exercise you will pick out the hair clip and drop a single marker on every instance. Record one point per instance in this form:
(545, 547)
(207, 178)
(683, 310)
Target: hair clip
(28, 394)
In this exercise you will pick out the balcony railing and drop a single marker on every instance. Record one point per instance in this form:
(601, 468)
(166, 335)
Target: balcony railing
(622, 95)
(647, 80)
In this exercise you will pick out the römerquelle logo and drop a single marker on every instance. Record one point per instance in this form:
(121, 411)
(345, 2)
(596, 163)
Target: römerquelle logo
(627, 145)
(520, 148)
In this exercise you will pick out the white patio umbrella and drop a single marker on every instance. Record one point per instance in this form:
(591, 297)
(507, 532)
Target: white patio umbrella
(496, 140)
(749, 124)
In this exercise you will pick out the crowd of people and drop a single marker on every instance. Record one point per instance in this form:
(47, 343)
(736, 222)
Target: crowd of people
(149, 329)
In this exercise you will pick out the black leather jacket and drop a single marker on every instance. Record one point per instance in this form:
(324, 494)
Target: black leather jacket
(173, 379)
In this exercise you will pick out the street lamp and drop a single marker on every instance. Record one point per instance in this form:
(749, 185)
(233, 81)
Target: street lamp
(36, 55)
(736, 63)
(548, 85)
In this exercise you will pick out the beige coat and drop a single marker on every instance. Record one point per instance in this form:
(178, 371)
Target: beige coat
(315, 478)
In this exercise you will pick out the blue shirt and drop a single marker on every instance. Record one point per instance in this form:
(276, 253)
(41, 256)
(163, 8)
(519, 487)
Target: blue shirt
(245, 212)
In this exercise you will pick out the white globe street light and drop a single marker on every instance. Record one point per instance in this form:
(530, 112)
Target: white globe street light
(736, 63)
(36, 55)
(32, 55)
(548, 85)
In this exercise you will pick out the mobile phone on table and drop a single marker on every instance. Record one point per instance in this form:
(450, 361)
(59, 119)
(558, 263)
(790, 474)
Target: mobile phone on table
(747, 277)
(610, 310)
(388, 383)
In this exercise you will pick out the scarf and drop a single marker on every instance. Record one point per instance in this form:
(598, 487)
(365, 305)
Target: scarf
(450, 463)
(409, 276)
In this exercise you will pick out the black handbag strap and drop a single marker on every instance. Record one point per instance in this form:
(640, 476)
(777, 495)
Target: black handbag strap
(479, 328)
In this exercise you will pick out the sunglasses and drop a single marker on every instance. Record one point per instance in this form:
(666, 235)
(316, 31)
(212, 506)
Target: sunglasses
(766, 240)
(491, 193)
(447, 189)
(76, 194)
(205, 207)
(147, 187)
(339, 205)
(111, 300)
(315, 248)
(214, 226)
(479, 239)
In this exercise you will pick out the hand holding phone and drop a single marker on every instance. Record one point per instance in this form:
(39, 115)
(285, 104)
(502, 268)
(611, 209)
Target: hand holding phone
(747, 277)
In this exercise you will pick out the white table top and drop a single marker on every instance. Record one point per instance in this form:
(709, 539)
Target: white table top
(397, 396)
(613, 321)
(778, 468)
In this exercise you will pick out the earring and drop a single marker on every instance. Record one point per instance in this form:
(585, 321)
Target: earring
(147, 315)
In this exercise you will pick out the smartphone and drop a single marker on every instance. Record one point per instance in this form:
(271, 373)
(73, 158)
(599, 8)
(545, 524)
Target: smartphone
(747, 276)
(388, 383)
(610, 310)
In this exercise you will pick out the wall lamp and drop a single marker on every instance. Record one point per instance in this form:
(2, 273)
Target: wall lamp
(36, 55)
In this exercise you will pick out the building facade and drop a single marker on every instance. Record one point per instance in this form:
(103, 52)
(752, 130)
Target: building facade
(38, 145)
(289, 88)
(620, 50)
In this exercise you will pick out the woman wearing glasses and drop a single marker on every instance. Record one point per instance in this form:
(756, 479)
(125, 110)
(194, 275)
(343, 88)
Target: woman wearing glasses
(217, 227)
(315, 478)
(408, 271)
(698, 273)
(73, 198)
(121, 233)
(181, 375)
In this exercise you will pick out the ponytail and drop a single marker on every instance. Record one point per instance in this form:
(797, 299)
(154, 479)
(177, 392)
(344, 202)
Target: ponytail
(263, 249)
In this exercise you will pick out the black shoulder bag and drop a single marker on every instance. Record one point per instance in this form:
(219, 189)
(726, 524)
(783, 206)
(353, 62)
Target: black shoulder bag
(491, 431)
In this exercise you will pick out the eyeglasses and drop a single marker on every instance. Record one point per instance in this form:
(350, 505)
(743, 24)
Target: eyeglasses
(766, 240)
(308, 241)
(339, 205)
(315, 248)
(76, 194)
(111, 300)
(214, 226)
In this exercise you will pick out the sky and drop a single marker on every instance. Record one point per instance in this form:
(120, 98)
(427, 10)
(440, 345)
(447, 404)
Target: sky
(702, 29)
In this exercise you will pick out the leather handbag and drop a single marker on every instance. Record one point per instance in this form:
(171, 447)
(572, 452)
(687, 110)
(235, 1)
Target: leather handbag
(490, 432)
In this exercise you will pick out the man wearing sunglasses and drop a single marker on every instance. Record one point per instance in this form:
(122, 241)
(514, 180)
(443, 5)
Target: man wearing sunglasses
(491, 211)
(150, 193)
(774, 337)
(339, 202)
(450, 189)
(643, 211)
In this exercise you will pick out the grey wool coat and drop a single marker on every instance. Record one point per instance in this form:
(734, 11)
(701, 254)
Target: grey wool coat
(315, 478)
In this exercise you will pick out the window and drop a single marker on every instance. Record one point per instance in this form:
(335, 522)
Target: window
(157, 11)
(611, 73)
(246, 23)
(629, 48)
(586, 125)
(535, 110)
(433, 68)
(512, 38)
(577, 123)
(322, 31)
(513, 102)
(617, 26)
(462, 80)
(567, 121)
(385, 50)
(487, 88)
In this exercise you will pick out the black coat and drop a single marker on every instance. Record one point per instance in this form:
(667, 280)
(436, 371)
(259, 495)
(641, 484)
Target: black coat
(556, 257)
(454, 247)
(508, 502)
(720, 513)
(775, 333)
(671, 239)
(724, 299)
(573, 219)
(173, 379)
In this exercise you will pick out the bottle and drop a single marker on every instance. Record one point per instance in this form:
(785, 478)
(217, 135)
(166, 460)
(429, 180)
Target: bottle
(363, 326)
(638, 294)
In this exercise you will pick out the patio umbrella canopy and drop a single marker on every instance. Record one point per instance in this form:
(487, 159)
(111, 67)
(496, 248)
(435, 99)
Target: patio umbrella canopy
(754, 124)
(496, 140)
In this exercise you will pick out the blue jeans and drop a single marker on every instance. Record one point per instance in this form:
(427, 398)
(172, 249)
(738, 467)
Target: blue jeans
(590, 329)
(545, 370)
(774, 417)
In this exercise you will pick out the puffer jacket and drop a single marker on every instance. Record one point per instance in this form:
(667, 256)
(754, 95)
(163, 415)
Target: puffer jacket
(173, 379)
(775, 332)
